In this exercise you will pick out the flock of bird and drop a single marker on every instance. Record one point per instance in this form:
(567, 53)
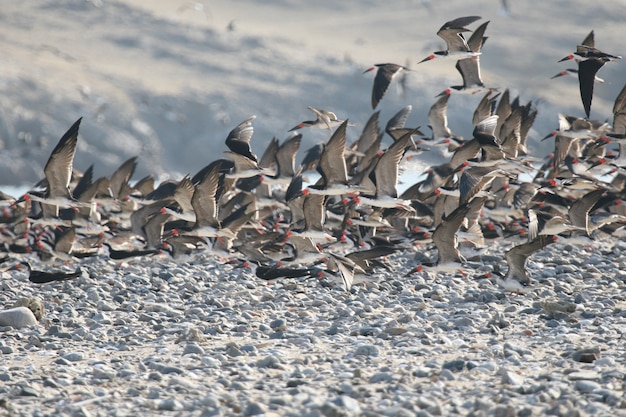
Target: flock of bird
(261, 213)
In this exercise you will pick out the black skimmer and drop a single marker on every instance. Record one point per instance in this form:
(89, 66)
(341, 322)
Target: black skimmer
(452, 33)
(395, 126)
(285, 159)
(245, 167)
(589, 62)
(469, 68)
(385, 177)
(57, 243)
(183, 193)
(325, 119)
(314, 216)
(437, 176)
(579, 210)
(44, 277)
(572, 72)
(484, 133)
(143, 226)
(275, 272)
(121, 254)
(444, 236)
(305, 251)
(344, 270)
(120, 179)
(438, 117)
(58, 172)
(366, 148)
(486, 107)
(517, 279)
(619, 113)
(369, 135)
(384, 75)
(205, 207)
(238, 140)
(587, 70)
(549, 223)
(587, 50)
(332, 166)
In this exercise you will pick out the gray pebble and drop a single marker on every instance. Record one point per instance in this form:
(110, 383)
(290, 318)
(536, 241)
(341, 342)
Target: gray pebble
(74, 356)
(588, 355)
(586, 386)
(254, 409)
(349, 404)
(454, 366)
(26, 391)
(367, 350)
(583, 375)
(170, 404)
(381, 377)
(18, 317)
(193, 348)
(270, 361)
(278, 325)
(447, 375)
(103, 373)
(512, 378)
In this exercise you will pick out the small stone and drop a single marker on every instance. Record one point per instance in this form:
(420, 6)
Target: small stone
(583, 375)
(292, 383)
(254, 409)
(586, 386)
(74, 357)
(504, 411)
(349, 404)
(6, 350)
(170, 405)
(164, 369)
(27, 391)
(396, 331)
(49, 382)
(278, 325)
(512, 378)
(193, 348)
(447, 375)
(454, 366)
(103, 373)
(104, 306)
(270, 361)
(331, 410)
(18, 317)
(381, 377)
(588, 355)
(367, 350)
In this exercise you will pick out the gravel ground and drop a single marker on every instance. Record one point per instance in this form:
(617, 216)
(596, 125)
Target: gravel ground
(199, 338)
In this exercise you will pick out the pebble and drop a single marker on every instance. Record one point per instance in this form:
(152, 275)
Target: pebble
(254, 409)
(583, 375)
(193, 348)
(588, 355)
(367, 350)
(170, 404)
(17, 317)
(512, 378)
(586, 386)
(74, 356)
